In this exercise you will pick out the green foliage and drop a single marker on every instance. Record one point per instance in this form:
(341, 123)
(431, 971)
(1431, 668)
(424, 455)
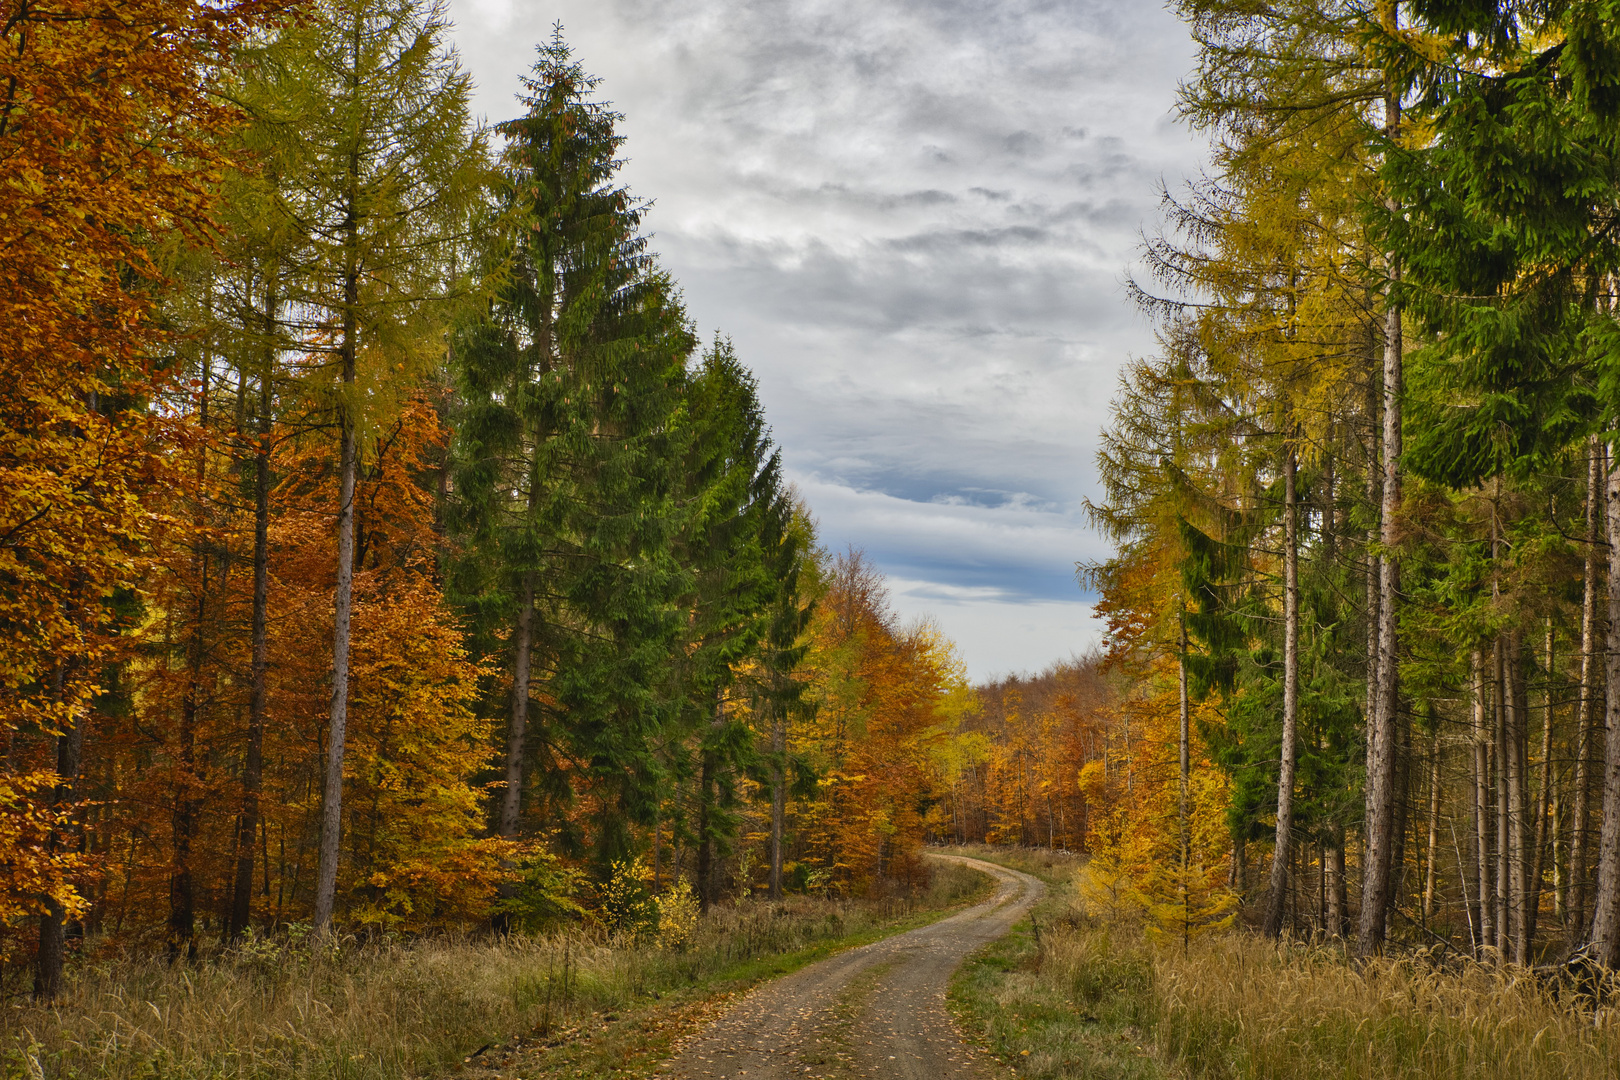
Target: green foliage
(545, 894)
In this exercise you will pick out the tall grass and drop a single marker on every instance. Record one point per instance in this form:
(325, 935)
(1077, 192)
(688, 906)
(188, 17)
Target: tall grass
(1094, 997)
(1239, 1006)
(281, 1008)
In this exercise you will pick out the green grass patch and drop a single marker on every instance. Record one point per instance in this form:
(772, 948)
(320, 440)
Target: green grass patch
(1053, 998)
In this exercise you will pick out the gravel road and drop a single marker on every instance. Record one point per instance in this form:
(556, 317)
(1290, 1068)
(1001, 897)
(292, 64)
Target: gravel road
(875, 1011)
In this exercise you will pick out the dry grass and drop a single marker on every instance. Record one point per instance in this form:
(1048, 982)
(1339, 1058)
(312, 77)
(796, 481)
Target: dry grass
(279, 1009)
(1095, 999)
(1239, 1006)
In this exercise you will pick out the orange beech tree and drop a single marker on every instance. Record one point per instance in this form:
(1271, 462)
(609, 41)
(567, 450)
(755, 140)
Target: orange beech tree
(883, 698)
(106, 140)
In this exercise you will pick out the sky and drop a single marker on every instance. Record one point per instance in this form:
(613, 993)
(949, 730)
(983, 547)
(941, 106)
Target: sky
(914, 221)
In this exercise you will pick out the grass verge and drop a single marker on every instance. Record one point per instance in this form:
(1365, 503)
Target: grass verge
(1038, 1006)
(1070, 994)
(577, 1004)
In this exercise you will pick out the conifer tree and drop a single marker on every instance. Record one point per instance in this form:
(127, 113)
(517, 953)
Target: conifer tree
(1502, 232)
(565, 461)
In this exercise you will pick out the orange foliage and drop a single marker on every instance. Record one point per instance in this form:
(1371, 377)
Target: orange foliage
(413, 812)
(105, 126)
(879, 692)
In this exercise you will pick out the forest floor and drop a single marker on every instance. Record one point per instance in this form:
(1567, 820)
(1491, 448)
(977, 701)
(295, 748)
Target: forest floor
(1083, 988)
(571, 1004)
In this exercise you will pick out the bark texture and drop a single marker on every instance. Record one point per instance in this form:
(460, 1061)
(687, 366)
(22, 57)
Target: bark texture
(1276, 901)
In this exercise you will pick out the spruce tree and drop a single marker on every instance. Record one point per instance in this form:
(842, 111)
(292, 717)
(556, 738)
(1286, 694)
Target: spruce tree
(565, 461)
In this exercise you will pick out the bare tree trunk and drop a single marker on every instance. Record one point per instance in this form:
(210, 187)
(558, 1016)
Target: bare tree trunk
(332, 791)
(253, 763)
(1482, 808)
(1504, 816)
(705, 854)
(1378, 884)
(1514, 758)
(1434, 830)
(1184, 774)
(1532, 902)
(523, 645)
(779, 795)
(53, 923)
(1403, 807)
(1290, 721)
(1606, 902)
(1580, 821)
(182, 922)
(1338, 907)
(182, 925)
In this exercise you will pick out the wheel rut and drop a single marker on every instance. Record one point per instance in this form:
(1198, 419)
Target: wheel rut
(875, 1011)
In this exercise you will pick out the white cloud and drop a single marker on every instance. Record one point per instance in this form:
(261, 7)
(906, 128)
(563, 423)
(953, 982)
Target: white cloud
(997, 636)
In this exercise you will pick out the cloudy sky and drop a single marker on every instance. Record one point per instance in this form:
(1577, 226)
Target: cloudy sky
(913, 218)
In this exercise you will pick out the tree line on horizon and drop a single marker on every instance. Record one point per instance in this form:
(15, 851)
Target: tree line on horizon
(1365, 494)
(380, 549)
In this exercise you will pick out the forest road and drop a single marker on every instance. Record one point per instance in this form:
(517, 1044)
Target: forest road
(875, 1011)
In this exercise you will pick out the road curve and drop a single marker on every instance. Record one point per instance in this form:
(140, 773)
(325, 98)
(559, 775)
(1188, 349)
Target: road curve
(875, 1011)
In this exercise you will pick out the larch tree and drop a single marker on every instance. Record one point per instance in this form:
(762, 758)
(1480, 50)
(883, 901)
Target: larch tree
(389, 175)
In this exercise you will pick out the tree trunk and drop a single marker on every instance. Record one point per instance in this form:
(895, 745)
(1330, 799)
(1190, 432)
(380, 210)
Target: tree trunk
(182, 925)
(1290, 719)
(1580, 819)
(1514, 758)
(1377, 889)
(1538, 856)
(247, 826)
(1434, 830)
(1338, 907)
(706, 779)
(1606, 902)
(332, 793)
(523, 644)
(1482, 808)
(182, 922)
(1184, 775)
(1504, 815)
(53, 923)
(779, 794)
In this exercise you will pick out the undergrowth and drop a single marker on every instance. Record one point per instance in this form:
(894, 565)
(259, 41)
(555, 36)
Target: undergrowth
(1071, 994)
(283, 1007)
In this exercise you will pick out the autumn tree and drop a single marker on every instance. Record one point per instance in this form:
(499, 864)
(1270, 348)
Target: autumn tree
(107, 136)
(382, 197)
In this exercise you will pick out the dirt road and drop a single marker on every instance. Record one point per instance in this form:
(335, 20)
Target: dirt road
(875, 1011)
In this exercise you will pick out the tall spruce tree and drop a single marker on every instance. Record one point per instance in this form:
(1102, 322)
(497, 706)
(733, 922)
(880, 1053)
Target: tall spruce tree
(733, 510)
(566, 462)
